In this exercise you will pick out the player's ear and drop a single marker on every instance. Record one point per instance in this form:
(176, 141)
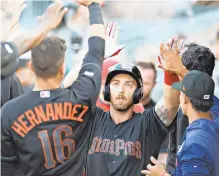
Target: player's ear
(185, 99)
(62, 69)
(30, 65)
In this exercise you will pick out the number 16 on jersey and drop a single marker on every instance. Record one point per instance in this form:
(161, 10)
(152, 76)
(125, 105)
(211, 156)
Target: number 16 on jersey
(63, 148)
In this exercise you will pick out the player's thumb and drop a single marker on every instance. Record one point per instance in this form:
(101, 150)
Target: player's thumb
(153, 160)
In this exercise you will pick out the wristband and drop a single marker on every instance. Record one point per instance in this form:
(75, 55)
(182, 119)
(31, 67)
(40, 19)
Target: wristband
(170, 78)
(95, 13)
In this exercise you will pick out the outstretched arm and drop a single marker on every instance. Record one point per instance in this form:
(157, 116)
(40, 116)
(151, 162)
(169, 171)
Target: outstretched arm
(25, 40)
(167, 107)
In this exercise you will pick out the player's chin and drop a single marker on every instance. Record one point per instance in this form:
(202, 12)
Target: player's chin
(118, 105)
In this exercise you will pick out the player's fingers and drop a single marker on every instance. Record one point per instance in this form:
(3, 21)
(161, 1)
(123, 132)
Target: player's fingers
(51, 8)
(183, 50)
(109, 28)
(113, 31)
(175, 47)
(162, 47)
(146, 172)
(173, 40)
(162, 54)
(159, 59)
(149, 166)
(63, 12)
(153, 160)
(180, 44)
(58, 7)
(23, 6)
(116, 35)
(160, 66)
(169, 46)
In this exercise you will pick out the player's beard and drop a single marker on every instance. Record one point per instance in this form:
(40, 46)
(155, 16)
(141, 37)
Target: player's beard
(123, 105)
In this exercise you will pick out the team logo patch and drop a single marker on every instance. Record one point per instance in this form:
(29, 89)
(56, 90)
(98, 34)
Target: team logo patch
(8, 48)
(180, 147)
(206, 97)
(90, 74)
(45, 94)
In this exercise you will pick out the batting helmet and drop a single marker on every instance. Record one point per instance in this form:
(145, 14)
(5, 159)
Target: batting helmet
(129, 69)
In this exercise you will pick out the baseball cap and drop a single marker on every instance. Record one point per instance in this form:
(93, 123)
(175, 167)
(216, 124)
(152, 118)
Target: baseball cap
(196, 85)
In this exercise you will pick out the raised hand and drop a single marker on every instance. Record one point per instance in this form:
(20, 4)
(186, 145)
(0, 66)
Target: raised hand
(111, 48)
(53, 15)
(170, 56)
(86, 3)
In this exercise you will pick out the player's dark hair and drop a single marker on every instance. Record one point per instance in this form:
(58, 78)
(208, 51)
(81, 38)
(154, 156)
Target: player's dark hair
(147, 65)
(201, 105)
(198, 57)
(48, 57)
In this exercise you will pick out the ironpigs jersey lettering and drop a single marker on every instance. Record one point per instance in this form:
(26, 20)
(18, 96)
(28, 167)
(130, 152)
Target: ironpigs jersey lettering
(124, 148)
(116, 147)
(52, 112)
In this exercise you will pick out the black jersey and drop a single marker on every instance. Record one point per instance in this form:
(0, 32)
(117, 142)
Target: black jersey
(125, 148)
(48, 131)
(10, 88)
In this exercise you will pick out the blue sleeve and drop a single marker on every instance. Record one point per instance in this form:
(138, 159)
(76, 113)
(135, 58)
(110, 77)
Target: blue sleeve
(196, 160)
(215, 109)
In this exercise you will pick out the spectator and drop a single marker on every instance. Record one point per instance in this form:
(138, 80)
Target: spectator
(149, 75)
(180, 60)
(19, 43)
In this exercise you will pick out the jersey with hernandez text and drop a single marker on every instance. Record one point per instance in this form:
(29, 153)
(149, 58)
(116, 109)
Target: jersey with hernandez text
(48, 131)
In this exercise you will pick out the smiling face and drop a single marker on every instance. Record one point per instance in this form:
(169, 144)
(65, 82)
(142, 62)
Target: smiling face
(122, 87)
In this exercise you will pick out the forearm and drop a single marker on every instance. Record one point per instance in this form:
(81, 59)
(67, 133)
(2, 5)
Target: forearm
(182, 73)
(27, 39)
(167, 107)
(96, 28)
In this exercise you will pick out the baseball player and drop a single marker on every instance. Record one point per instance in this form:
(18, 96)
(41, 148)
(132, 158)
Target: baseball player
(122, 141)
(22, 41)
(12, 46)
(47, 129)
(101, 103)
(198, 154)
(181, 59)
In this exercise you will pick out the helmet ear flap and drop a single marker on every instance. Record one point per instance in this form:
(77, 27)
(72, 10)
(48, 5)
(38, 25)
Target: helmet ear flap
(137, 95)
(106, 93)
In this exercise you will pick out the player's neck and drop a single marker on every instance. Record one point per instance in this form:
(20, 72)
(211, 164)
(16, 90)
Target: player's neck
(146, 101)
(120, 116)
(194, 115)
(46, 84)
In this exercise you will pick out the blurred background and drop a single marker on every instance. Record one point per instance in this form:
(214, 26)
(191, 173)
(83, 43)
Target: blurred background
(144, 24)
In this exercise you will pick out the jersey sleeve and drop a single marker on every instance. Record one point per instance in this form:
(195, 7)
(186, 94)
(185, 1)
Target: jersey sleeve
(194, 161)
(8, 149)
(87, 85)
(16, 88)
(9, 61)
(154, 128)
